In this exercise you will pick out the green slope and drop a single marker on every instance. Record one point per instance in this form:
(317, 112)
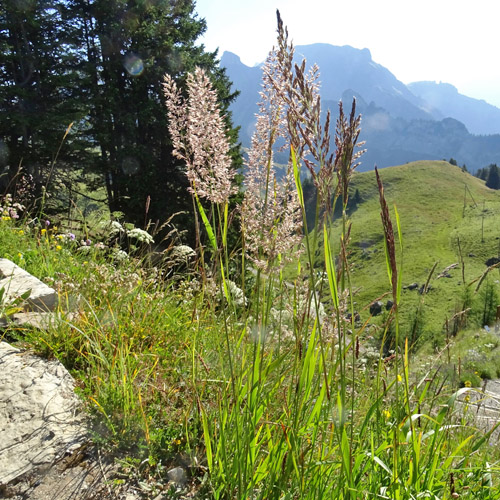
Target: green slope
(430, 197)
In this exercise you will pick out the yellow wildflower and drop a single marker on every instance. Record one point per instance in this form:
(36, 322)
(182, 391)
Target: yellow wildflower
(387, 414)
(43, 231)
(58, 247)
(400, 379)
(20, 232)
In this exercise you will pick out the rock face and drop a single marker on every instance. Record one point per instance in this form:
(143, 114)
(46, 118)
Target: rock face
(39, 418)
(17, 281)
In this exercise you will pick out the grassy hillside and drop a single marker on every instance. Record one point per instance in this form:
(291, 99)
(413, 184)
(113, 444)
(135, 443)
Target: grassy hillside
(241, 388)
(438, 206)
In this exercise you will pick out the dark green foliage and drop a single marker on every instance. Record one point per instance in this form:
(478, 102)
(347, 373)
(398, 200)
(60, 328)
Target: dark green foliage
(100, 64)
(493, 180)
(129, 47)
(310, 199)
(482, 173)
(452, 161)
(486, 303)
(40, 93)
(490, 174)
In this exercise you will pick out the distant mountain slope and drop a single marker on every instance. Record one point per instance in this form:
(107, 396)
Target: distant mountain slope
(433, 213)
(247, 80)
(345, 67)
(341, 68)
(395, 141)
(479, 116)
(398, 126)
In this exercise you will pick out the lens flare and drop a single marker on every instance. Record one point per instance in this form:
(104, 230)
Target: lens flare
(130, 165)
(133, 64)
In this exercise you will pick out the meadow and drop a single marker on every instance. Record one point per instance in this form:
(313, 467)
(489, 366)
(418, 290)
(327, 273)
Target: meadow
(249, 365)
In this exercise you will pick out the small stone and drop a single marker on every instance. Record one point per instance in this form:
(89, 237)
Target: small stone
(376, 308)
(492, 261)
(130, 496)
(413, 286)
(177, 475)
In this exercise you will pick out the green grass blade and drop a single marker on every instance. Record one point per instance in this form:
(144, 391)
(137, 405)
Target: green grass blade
(208, 443)
(296, 175)
(330, 269)
(400, 238)
(224, 229)
(206, 222)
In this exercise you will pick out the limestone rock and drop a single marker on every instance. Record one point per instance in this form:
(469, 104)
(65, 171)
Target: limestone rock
(177, 475)
(39, 413)
(17, 281)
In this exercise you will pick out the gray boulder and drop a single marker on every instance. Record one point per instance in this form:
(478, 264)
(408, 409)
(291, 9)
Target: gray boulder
(16, 281)
(40, 420)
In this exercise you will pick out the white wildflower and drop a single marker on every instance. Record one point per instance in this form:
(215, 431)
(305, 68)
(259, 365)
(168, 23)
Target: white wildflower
(182, 253)
(140, 235)
(236, 293)
(119, 255)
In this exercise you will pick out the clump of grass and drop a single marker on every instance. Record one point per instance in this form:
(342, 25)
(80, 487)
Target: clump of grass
(260, 384)
(296, 417)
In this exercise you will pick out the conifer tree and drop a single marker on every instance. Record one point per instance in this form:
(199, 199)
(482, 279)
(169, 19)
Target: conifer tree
(100, 64)
(130, 45)
(39, 91)
(493, 180)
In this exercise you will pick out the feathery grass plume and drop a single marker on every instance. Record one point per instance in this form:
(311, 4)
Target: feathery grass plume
(389, 241)
(271, 217)
(346, 141)
(309, 138)
(199, 137)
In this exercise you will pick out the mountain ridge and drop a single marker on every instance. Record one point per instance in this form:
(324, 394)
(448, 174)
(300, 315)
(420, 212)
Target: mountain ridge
(401, 123)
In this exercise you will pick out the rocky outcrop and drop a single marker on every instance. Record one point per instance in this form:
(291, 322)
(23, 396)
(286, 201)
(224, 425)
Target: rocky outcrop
(40, 420)
(16, 282)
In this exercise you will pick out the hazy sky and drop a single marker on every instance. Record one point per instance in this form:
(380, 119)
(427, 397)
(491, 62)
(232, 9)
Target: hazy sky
(453, 41)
